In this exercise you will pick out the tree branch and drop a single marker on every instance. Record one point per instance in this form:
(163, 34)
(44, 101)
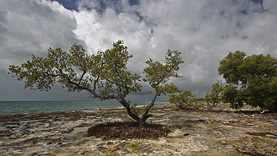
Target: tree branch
(145, 115)
(127, 106)
(82, 77)
(125, 85)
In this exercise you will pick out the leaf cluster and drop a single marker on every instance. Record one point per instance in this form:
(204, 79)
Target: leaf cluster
(183, 100)
(253, 77)
(213, 97)
(114, 74)
(158, 74)
(232, 95)
(76, 71)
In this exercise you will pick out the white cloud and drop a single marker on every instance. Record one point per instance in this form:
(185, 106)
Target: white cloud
(204, 31)
(30, 27)
(99, 31)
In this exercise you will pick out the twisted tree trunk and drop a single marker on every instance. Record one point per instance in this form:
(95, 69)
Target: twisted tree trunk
(140, 120)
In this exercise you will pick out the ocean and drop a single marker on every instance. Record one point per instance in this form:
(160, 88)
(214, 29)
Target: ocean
(27, 107)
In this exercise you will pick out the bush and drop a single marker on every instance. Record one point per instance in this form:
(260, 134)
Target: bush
(183, 100)
(252, 80)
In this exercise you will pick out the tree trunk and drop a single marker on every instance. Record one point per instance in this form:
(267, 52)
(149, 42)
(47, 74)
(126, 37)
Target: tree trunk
(140, 121)
(127, 107)
(145, 115)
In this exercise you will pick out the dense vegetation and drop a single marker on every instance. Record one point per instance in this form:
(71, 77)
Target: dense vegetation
(249, 80)
(104, 74)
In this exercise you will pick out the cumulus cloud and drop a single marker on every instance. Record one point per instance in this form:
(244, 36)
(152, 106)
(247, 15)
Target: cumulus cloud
(100, 29)
(30, 27)
(204, 31)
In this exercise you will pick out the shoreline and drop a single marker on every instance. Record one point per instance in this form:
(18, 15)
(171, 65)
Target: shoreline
(77, 106)
(74, 111)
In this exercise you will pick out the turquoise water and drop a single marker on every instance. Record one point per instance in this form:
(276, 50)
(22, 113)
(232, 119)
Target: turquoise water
(23, 107)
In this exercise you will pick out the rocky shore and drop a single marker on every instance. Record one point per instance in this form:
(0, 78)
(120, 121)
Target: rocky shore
(193, 132)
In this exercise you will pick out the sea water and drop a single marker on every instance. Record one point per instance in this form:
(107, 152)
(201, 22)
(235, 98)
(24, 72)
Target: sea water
(26, 107)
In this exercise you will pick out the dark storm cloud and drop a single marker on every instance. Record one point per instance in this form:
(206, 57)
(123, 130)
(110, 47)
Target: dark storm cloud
(204, 31)
(30, 27)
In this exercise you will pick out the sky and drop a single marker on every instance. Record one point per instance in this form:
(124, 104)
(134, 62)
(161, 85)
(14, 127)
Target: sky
(204, 31)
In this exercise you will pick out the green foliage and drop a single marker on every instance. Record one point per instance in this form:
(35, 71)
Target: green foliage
(229, 67)
(255, 76)
(231, 95)
(158, 74)
(183, 100)
(113, 72)
(262, 92)
(78, 71)
(213, 98)
(104, 74)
